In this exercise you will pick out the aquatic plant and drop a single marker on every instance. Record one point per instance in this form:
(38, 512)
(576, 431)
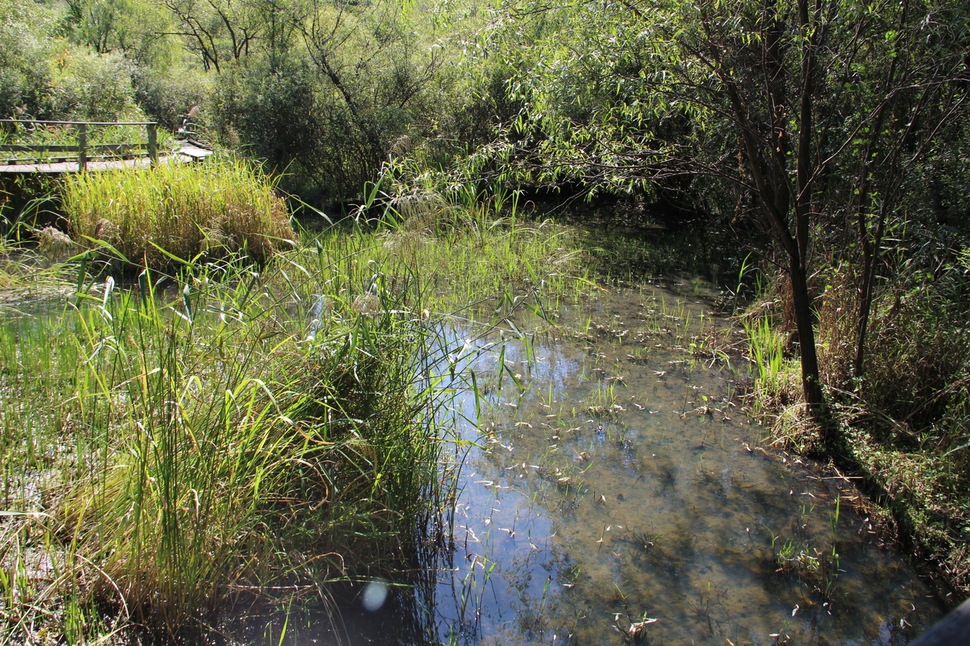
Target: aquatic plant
(175, 213)
(231, 452)
(776, 375)
(230, 432)
(816, 566)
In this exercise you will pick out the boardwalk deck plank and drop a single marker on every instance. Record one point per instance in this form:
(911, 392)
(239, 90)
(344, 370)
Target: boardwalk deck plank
(186, 152)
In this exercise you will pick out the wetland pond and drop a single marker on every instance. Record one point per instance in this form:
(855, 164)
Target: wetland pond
(613, 490)
(617, 493)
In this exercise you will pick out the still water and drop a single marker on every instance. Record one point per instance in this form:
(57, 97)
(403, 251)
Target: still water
(617, 492)
(613, 490)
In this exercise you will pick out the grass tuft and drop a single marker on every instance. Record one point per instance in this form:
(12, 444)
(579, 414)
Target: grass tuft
(176, 213)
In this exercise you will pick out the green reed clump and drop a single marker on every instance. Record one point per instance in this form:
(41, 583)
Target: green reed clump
(232, 430)
(484, 252)
(215, 440)
(206, 211)
(766, 348)
(228, 450)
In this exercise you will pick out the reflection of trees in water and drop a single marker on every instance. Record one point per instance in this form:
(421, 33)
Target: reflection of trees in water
(646, 513)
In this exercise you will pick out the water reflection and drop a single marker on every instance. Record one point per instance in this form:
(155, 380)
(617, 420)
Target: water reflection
(612, 492)
(620, 497)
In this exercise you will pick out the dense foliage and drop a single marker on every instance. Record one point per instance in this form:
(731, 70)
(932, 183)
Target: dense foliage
(815, 123)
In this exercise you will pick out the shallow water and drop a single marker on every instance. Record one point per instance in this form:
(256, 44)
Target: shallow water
(621, 496)
(616, 492)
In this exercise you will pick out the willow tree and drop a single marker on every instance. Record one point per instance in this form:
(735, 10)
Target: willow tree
(812, 111)
(319, 88)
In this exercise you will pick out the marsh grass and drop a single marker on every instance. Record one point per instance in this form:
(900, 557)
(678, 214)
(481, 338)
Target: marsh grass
(27, 273)
(176, 213)
(485, 257)
(218, 451)
(776, 379)
(229, 433)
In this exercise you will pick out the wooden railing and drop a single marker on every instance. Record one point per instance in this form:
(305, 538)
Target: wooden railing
(81, 151)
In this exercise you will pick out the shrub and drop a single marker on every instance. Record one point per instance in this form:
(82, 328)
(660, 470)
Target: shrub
(26, 50)
(45, 76)
(168, 97)
(93, 86)
(918, 350)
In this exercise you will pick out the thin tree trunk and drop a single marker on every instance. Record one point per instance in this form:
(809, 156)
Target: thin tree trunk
(805, 167)
(805, 326)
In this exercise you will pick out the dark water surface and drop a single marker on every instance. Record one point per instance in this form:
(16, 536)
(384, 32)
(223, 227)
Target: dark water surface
(622, 496)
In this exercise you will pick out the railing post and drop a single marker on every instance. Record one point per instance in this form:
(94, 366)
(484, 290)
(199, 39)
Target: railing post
(82, 147)
(153, 143)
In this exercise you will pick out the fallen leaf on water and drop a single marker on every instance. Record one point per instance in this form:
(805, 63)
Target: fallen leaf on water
(637, 627)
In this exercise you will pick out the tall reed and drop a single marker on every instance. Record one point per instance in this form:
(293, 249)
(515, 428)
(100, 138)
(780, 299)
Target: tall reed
(228, 430)
(178, 212)
(233, 451)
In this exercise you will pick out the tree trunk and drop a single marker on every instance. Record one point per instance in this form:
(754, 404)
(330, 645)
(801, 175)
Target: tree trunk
(805, 326)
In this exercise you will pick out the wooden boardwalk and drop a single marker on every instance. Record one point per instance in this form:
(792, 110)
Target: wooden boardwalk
(59, 158)
(186, 152)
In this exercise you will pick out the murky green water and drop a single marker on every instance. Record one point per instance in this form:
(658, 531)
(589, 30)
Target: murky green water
(622, 497)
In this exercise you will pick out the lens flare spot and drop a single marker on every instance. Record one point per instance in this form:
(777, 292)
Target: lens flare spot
(375, 594)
